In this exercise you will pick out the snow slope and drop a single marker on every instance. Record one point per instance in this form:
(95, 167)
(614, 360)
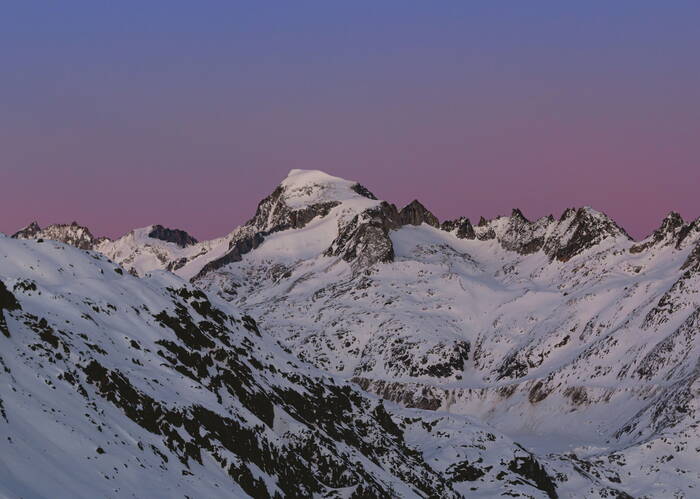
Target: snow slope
(564, 334)
(118, 386)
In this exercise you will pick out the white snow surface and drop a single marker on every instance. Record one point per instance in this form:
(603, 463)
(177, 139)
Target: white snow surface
(591, 361)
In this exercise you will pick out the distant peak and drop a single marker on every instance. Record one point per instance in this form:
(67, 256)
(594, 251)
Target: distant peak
(73, 234)
(32, 227)
(674, 218)
(517, 214)
(415, 213)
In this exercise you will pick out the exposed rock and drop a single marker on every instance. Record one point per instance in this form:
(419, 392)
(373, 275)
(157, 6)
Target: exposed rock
(245, 243)
(73, 234)
(187, 396)
(686, 231)
(363, 191)
(523, 236)
(580, 230)
(462, 225)
(29, 232)
(415, 213)
(365, 240)
(667, 233)
(273, 214)
(177, 236)
(531, 469)
(7, 302)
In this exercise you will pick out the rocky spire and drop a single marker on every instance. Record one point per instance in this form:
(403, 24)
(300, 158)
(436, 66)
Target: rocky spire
(462, 225)
(28, 232)
(668, 233)
(415, 213)
(523, 236)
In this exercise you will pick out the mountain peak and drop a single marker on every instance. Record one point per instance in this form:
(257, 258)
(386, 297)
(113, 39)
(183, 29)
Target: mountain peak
(73, 234)
(581, 229)
(517, 214)
(28, 232)
(415, 213)
(303, 188)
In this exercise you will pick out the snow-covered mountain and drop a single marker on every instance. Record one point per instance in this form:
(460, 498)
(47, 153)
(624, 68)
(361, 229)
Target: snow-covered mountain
(73, 234)
(562, 333)
(118, 386)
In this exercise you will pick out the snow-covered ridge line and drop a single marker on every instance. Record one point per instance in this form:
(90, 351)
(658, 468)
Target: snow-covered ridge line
(305, 195)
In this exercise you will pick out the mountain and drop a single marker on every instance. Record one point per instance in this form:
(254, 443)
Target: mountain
(117, 386)
(73, 234)
(562, 333)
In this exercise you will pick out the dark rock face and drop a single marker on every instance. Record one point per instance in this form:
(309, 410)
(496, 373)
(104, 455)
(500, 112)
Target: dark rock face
(177, 236)
(686, 230)
(73, 234)
(670, 229)
(363, 191)
(415, 213)
(531, 469)
(523, 236)
(365, 239)
(576, 231)
(274, 215)
(237, 248)
(692, 263)
(464, 227)
(29, 232)
(7, 302)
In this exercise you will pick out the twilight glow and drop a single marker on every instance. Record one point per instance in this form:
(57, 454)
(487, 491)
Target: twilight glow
(125, 114)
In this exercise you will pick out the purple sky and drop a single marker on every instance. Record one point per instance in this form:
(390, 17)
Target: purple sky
(187, 114)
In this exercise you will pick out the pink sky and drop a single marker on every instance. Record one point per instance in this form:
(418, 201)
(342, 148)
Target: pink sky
(119, 120)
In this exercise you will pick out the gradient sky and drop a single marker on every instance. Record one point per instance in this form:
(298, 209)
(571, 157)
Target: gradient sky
(123, 114)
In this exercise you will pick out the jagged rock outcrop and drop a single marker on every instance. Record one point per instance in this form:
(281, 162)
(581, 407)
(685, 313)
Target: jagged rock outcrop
(579, 230)
(415, 213)
(28, 232)
(245, 242)
(523, 236)
(363, 191)
(576, 231)
(73, 234)
(177, 236)
(667, 233)
(364, 240)
(273, 214)
(463, 226)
